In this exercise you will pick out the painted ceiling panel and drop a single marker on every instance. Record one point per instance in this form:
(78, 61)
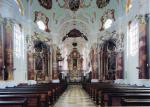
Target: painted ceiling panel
(87, 18)
(57, 15)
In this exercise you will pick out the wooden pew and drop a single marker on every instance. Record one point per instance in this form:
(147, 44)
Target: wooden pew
(46, 92)
(135, 102)
(108, 95)
(55, 90)
(106, 92)
(14, 103)
(93, 89)
(115, 98)
(29, 94)
(32, 100)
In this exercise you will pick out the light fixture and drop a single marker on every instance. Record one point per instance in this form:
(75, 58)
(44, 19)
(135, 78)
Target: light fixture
(108, 23)
(41, 25)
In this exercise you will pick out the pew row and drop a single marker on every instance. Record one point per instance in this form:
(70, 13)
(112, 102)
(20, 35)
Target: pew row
(109, 94)
(40, 95)
(14, 103)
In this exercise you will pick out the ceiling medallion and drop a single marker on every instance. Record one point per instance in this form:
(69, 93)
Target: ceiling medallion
(102, 3)
(46, 3)
(74, 5)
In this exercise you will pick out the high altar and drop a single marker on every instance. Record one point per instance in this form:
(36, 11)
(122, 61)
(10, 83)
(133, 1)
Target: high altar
(75, 66)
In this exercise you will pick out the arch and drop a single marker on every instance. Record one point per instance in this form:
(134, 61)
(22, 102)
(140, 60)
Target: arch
(71, 20)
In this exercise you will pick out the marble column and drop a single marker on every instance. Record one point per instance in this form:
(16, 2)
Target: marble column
(8, 46)
(94, 65)
(119, 65)
(143, 54)
(148, 41)
(1, 48)
(55, 77)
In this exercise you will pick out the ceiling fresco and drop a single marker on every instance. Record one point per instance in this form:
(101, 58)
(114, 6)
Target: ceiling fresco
(84, 15)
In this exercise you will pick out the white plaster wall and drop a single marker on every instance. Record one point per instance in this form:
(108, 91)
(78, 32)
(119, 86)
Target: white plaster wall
(131, 75)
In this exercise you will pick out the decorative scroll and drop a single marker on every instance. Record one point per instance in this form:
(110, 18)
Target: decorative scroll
(8, 75)
(143, 72)
(1, 54)
(109, 14)
(38, 63)
(41, 16)
(119, 66)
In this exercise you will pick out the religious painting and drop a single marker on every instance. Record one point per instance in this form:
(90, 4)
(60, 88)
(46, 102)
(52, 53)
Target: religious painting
(40, 76)
(38, 63)
(111, 67)
(143, 72)
(75, 62)
(45, 61)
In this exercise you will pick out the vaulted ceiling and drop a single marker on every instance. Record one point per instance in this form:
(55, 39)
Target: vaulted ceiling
(86, 17)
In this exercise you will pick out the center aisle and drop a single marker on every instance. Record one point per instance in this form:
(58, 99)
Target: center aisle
(75, 96)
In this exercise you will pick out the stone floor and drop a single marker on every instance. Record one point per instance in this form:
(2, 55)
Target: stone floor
(75, 96)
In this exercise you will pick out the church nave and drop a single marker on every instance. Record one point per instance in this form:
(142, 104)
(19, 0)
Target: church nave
(74, 53)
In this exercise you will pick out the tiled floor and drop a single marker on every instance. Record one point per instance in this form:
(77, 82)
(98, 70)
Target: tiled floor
(75, 96)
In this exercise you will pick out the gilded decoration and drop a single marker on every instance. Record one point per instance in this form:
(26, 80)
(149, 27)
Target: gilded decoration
(75, 62)
(39, 16)
(109, 14)
(38, 57)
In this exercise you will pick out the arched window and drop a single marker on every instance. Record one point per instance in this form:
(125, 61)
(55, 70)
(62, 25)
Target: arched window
(18, 41)
(132, 38)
